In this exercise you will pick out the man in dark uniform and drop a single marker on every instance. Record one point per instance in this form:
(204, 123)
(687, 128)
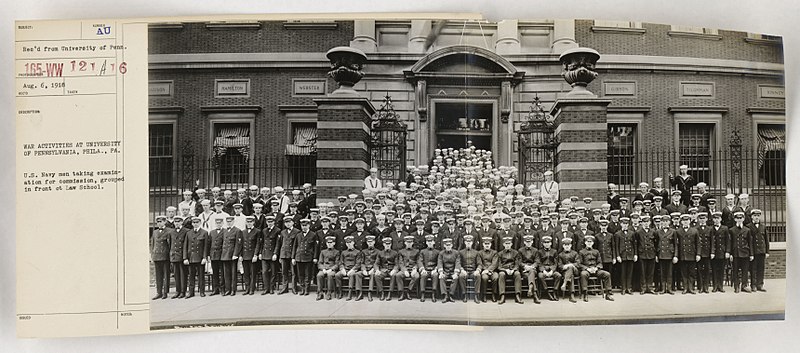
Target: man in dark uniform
(647, 240)
(419, 234)
(369, 258)
(451, 231)
(179, 270)
(546, 229)
(328, 265)
(704, 250)
(349, 265)
(687, 253)
(386, 265)
(548, 265)
(469, 262)
(231, 249)
(760, 251)
(159, 254)
(720, 239)
(194, 256)
(606, 245)
(508, 262)
(667, 250)
(407, 258)
(304, 254)
(251, 242)
(214, 245)
(487, 264)
(268, 254)
(486, 230)
(683, 183)
(568, 263)
(591, 264)
(449, 264)
(626, 254)
(675, 205)
(741, 248)
(426, 265)
(528, 262)
(285, 250)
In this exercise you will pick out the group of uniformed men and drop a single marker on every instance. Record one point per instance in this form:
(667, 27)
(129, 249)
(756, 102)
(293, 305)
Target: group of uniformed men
(428, 240)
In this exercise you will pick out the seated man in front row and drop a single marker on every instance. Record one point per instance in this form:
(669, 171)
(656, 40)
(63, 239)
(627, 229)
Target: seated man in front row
(548, 262)
(591, 264)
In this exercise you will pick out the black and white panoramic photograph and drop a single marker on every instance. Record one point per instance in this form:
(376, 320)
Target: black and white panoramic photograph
(464, 172)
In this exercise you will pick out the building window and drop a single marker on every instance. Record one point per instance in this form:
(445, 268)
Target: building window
(231, 153)
(621, 153)
(301, 154)
(162, 143)
(772, 154)
(695, 145)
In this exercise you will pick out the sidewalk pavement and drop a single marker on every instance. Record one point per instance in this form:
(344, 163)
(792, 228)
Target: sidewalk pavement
(244, 310)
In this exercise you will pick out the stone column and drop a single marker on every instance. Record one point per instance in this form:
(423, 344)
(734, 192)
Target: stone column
(364, 36)
(563, 36)
(420, 29)
(581, 128)
(507, 37)
(343, 129)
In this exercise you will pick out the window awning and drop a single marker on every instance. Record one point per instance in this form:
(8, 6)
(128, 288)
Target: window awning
(304, 143)
(233, 137)
(770, 138)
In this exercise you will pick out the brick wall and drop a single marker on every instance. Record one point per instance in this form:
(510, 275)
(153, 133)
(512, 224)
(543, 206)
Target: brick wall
(272, 37)
(655, 41)
(776, 264)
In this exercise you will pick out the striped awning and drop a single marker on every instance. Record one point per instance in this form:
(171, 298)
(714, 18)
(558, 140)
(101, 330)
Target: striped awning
(770, 138)
(233, 137)
(305, 142)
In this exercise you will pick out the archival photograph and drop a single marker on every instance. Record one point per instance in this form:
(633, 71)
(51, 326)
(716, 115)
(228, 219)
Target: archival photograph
(464, 172)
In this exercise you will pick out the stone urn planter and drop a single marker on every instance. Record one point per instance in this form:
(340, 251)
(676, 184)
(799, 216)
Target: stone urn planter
(579, 70)
(346, 66)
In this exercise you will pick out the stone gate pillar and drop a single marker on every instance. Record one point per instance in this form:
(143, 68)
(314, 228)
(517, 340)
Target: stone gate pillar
(581, 128)
(343, 129)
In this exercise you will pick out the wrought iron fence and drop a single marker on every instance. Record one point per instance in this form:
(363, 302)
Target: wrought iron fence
(169, 178)
(733, 170)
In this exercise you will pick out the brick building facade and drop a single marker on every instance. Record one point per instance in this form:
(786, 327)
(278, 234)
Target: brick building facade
(246, 90)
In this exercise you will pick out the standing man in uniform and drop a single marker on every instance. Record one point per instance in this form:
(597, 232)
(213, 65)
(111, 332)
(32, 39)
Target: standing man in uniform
(194, 256)
(687, 253)
(704, 250)
(741, 248)
(159, 254)
(626, 254)
(231, 249)
(179, 270)
(268, 254)
(251, 242)
(760, 251)
(647, 240)
(214, 245)
(304, 254)
(683, 182)
(285, 250)
(667, 249)
(720, 240)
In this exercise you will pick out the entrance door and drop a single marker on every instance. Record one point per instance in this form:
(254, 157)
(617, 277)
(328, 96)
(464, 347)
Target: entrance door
(464, 123)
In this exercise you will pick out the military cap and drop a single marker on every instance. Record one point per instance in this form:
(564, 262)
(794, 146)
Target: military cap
(675, 215)
(390, 212)
(623, 199)
(573, 215)
(624, 220)
(408, 238)
(314, 210)
(230, 218)
(730, 196)
(755, 211)
(738, 214)
(161, 218)
(696, 196)
(693, 209)
(597, 211)
(717, 214)
(218, 219)
(637, 202)
(205, 202)
(398, 221)
(324, 219)
(249, 218)
(676, 192)
(702, 215)
(564, 221)
(387, 240)
(237, 205)
(359, 220)
(545, 218)
(218, 202)
(305, 221)
(711, 201)
(370, 211)
(352, 196)
(583, 219)
(347, 239)
(435, 223)
(645, 217)
(342, 217)
(634, 216)
(547, 239)
(288, 219)
(348, 211)
(603, 222)
(587, 199)
(657, 198)
(549, 172)
(371, 238)
(447, 241)
(657, 218)
(429, 237)
(527, 237)
(215, 189)
(241, 190)
(507, 239)
(566, 241)
(657, 179)
(173, 208)
(487, 240)
(259, 205)
(419, 221)
(187, 193)
(613, 212)
(468, 237)
(424, 210)
(294, 204)
(467, 220)
(588, 237)
(274, 202)
(685, 216)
